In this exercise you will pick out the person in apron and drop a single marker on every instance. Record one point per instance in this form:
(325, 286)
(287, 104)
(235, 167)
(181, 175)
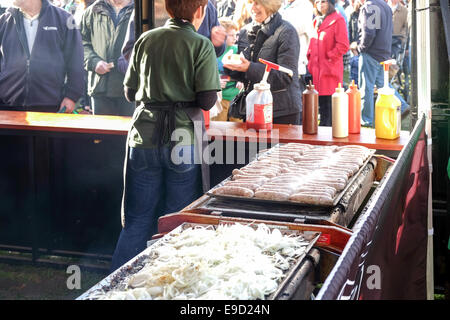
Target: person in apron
(172, 75)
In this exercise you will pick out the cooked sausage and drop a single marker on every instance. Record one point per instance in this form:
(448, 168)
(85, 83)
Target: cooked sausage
(271, 195)
(316, 188)
(234, 190)
(312, 198)
(240, 183)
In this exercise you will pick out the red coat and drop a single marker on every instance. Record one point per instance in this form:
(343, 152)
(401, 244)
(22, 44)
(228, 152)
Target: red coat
(325, 53)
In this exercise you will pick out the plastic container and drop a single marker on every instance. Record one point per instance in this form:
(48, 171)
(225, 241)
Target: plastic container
(354, 108)
(339, 113)
(259, 102)
(310, 103)
(388, 117)
(259, 107)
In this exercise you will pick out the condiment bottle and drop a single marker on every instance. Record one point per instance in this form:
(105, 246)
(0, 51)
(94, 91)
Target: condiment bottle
(339, 113)
(310, 104)
(259, 102)
(388, 117)
(354, 108)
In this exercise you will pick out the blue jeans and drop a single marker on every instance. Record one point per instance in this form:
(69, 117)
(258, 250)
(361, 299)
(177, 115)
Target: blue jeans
(371, 73)
(155, 185)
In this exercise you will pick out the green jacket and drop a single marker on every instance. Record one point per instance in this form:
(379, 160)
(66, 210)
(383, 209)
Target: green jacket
(102, 40)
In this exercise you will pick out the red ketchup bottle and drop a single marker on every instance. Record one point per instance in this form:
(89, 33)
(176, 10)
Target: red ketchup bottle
(310, 104)
(354, 108)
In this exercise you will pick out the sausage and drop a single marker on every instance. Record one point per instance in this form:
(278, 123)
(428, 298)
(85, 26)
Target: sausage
(332, 183)
(317, 188)
(252, 179)
(266, 173)
(248, 185)
(259, 170)
(342, 177)
(312, 198)
(235, 191)
(271, 195)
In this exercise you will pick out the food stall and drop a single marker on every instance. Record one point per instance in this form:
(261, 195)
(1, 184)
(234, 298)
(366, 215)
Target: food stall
(70, 167)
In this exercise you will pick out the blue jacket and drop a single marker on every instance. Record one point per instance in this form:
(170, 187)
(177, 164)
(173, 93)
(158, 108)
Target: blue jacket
(375, 29)
(208, 23)
(39, 78)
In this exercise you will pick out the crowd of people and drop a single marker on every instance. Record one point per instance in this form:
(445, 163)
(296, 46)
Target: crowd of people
(82, 56)
(84, 62)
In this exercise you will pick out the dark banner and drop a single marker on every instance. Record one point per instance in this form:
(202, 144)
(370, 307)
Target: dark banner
(386, 256)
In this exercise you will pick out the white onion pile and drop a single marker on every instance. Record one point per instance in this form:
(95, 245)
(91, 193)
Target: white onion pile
(232, 262)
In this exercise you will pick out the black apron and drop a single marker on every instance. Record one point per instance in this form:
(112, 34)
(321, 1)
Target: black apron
(166, 117)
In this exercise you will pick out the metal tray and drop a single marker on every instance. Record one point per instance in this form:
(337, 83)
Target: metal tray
(336, 199)
(120, 277)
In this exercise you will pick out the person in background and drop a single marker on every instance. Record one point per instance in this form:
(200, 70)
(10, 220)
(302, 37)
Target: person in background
(338, 5)
(127, 48)
(354, 65)
(212, 29)
(242, 14)
(181, 67)
(399, 27)
(103, 29)
(229, 89)
(300, 14)
(71, 6)
(41, 68)
(353, 34)
(225, 8)
(373, 47)
(325, 55)
(271, 38)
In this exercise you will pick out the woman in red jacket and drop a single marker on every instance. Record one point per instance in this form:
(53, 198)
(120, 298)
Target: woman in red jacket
(325, 55)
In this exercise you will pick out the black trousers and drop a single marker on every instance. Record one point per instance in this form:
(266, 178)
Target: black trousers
(325, 111)
(295, 118)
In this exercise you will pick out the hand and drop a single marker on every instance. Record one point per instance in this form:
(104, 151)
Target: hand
(243, 67)
(103, 67)
(69, 104)
(223, 83)
(240, 85)
(353, 46)
(218, 35)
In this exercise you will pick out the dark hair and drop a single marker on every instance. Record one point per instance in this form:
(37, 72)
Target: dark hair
(331, 9)
(184, 9)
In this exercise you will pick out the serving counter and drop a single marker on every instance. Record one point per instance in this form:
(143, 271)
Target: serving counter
(62, 177)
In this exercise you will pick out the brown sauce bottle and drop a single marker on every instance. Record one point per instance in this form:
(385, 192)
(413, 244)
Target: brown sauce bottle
(310, 102)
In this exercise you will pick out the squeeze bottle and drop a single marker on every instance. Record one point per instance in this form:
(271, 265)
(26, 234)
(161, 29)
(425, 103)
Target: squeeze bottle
(259, 102)
(339, 113)
(388, 117)
(310, 103)
(354, 108)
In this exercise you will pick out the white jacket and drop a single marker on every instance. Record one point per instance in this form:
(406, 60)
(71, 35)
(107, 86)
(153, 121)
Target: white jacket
(300, 14)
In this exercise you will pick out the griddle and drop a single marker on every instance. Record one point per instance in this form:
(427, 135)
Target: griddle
(239, 200)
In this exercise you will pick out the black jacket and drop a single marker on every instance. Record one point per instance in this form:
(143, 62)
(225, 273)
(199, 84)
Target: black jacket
(375, 29)
(38, 79)
(276, 42)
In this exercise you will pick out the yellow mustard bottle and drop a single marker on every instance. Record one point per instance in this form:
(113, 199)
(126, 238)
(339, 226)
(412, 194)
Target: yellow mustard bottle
(388, 118)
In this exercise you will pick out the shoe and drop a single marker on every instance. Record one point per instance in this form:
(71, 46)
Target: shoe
(366, 124)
